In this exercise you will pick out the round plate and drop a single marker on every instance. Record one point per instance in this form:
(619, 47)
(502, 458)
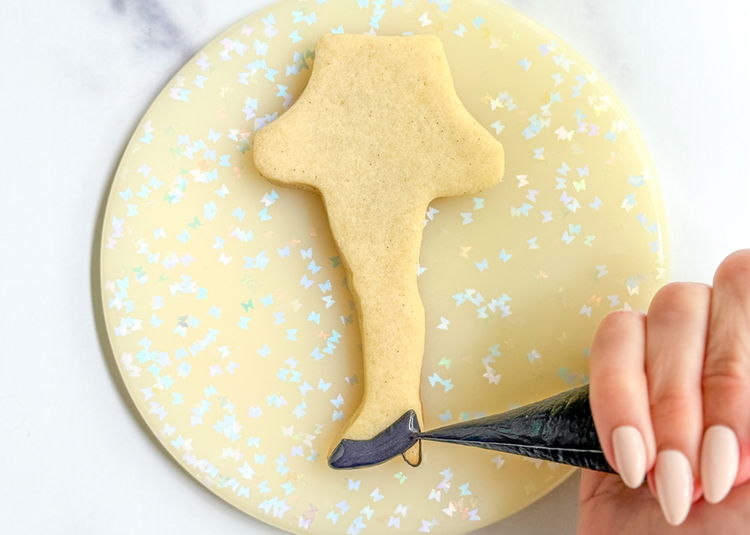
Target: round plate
(225, 298)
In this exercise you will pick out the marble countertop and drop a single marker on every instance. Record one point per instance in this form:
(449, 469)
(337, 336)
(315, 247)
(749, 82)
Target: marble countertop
(78, 75)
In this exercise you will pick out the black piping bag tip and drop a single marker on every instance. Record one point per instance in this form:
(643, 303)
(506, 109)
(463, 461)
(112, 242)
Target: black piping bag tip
(395, 440)
(559, 429)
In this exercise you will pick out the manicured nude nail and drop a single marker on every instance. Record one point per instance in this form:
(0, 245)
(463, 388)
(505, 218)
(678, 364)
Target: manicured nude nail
(674, 485)
(720, 458)
(630, 455)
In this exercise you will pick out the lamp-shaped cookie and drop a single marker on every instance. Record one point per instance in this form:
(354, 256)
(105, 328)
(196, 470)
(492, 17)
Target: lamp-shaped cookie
(379, 132)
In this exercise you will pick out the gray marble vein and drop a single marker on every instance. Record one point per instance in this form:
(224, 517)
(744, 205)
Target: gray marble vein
(156, 26)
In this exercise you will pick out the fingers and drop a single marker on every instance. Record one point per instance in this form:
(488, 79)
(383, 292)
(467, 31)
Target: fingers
(677, 325)
(691, 404)
(726, 378)
(619, 395)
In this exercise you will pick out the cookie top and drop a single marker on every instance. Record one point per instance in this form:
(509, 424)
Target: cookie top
(380, 112)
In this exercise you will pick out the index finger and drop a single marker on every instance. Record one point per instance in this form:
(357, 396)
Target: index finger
(619, 395)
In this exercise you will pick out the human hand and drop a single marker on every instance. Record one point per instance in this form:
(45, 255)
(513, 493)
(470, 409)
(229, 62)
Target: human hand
(670, 396)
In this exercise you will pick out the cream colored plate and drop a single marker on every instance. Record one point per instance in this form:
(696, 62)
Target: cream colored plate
(225, 299)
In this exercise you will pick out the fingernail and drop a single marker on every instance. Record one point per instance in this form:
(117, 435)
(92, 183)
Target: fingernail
(720, 458)
(630, 455)
(674, 485)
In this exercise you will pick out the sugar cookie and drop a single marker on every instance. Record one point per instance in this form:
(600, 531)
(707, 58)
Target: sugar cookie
(379, 132)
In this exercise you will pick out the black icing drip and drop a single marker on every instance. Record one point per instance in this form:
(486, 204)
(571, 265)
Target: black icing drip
(559, 428)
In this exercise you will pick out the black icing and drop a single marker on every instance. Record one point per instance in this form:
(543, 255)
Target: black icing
(559, 428)
(394, 440)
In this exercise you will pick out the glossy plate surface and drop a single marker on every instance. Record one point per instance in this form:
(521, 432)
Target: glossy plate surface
(225, 298)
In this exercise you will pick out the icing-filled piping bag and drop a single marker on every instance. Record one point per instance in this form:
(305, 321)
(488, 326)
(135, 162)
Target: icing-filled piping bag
(559, 428)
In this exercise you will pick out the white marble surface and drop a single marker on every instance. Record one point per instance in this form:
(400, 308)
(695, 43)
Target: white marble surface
(76, 77)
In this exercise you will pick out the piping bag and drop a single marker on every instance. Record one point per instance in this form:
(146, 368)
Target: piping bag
(559, 428)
